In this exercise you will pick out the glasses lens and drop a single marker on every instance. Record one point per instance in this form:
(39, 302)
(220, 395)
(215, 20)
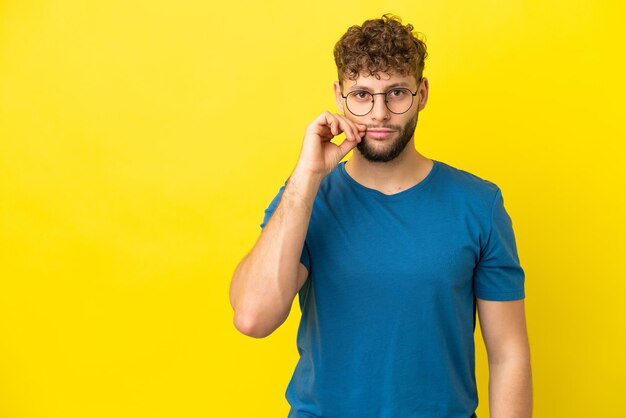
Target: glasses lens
(399, 100)
(359, 102)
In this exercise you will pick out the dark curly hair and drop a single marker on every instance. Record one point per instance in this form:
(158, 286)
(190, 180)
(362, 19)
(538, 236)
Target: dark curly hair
(380, 45)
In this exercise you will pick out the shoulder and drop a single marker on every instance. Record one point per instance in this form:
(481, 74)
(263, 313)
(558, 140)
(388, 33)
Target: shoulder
(468, 192)
(467, 184)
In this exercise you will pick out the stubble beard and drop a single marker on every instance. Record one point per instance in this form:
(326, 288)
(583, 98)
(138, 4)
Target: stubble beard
(405, 133)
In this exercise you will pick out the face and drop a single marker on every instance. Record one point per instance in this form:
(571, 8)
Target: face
(388, 133)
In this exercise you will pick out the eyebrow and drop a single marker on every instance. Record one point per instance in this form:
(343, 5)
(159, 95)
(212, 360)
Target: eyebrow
(400, 84)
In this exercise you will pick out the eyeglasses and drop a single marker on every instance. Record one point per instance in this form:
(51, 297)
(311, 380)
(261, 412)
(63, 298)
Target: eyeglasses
(397, 100)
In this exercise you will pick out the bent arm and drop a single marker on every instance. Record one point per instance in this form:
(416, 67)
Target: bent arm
(266, 281)
(503, 325)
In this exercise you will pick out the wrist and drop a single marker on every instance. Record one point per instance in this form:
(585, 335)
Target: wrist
(302, 187)
(307, 176)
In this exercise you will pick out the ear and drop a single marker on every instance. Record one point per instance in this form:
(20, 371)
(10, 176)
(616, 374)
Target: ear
(423, 94)
(338, 98)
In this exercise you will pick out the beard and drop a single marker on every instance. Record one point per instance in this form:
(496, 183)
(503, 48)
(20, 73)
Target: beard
(405, 133)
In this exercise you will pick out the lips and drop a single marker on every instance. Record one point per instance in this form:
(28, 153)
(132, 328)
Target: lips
(379, 134)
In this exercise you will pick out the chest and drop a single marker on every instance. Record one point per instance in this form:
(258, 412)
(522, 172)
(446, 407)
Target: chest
(396, 253)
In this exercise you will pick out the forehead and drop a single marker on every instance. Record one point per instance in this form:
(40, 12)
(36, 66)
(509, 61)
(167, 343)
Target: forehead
(380, 81)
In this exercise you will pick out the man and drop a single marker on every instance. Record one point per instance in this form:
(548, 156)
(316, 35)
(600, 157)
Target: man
(391, 254)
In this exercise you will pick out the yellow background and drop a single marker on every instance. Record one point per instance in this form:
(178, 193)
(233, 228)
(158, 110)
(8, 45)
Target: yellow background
(141, 141)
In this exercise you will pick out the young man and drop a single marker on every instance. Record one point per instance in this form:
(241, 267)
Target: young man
(391, 254)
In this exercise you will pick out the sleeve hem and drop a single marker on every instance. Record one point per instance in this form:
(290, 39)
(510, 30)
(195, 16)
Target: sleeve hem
(501, 296)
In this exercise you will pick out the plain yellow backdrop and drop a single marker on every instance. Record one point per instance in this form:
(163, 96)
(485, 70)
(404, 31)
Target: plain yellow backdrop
(140, 143)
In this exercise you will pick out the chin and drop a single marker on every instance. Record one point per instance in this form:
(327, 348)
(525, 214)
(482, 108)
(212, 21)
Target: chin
(384, 152)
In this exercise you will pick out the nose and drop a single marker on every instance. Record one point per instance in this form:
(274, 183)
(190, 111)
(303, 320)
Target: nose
(380, 110)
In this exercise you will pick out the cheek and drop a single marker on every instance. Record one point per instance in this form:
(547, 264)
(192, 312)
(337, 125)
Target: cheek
(353, 118)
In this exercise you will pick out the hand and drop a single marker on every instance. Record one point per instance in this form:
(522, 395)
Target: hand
(319, 156)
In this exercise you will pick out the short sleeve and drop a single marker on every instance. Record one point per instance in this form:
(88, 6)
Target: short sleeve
(305, 258)
(498, 274)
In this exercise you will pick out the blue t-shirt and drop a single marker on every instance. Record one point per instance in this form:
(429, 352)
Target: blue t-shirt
(388, 309)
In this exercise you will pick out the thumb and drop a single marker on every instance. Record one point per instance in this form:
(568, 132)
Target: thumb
(346, 146)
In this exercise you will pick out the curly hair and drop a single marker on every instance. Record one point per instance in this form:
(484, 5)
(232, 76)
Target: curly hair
(382, 45)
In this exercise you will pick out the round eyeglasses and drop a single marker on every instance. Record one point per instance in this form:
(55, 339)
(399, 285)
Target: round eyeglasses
(361, 102)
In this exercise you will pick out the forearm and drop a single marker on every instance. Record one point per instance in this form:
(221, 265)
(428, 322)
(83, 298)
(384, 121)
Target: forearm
(264, 284)
(510, 389)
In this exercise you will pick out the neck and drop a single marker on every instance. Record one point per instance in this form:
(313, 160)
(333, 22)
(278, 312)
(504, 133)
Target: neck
(401, 173)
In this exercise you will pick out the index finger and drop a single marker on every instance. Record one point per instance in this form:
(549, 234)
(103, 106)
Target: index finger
(352, 126)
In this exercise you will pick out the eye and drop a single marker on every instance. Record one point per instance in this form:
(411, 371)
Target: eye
(397, 93)
(360, 95)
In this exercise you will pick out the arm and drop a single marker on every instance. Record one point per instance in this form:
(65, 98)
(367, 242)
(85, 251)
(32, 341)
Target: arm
(266, 281)
(503, 325)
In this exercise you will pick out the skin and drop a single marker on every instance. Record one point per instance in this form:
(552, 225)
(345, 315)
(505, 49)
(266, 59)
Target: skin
(503, 325)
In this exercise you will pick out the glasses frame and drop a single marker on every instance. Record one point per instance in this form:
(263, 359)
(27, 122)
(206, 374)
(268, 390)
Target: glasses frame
(413, 94)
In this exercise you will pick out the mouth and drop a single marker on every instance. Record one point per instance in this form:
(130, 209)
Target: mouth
(379, 134)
